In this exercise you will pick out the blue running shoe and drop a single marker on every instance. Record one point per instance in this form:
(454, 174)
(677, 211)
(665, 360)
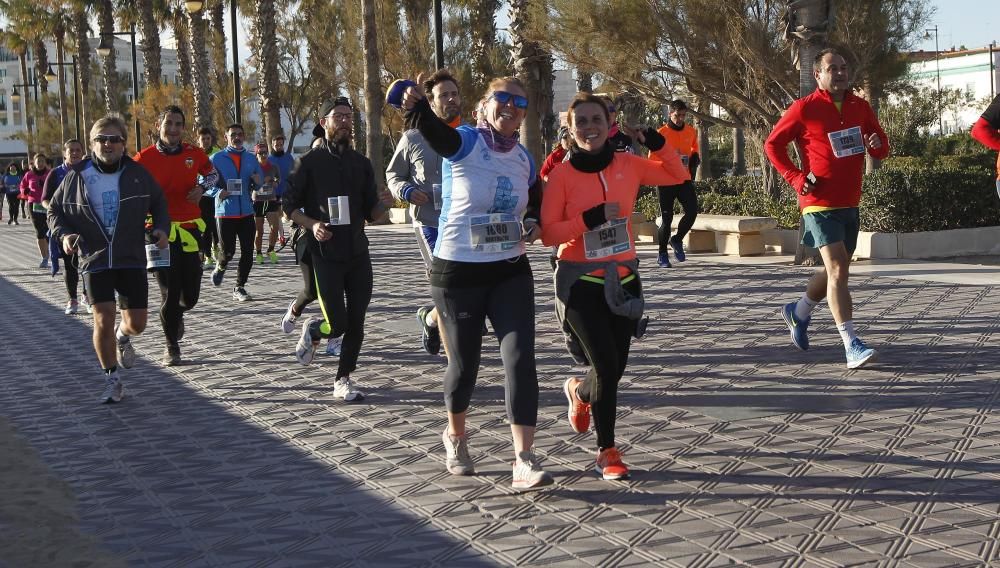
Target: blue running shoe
(678, 246)
(858, 354)
(797, 327)
(663, 259)
(217, 276)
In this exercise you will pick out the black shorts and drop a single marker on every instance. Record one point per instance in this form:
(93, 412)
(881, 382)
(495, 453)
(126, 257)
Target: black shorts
(130, 283)
(260, 208)
(40, 222)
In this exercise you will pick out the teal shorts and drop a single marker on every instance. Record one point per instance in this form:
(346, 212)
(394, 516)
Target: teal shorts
(834, 226)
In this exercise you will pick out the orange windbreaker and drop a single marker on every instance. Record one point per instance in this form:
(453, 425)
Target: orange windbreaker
(569, 192)
(685, 140)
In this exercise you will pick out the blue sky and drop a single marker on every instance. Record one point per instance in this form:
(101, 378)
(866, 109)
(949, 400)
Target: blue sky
(973, 23)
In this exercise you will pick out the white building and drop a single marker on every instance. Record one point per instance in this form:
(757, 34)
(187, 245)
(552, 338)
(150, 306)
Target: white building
(973, 71)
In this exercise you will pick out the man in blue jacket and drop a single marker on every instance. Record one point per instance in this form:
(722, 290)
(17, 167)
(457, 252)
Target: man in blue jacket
(239, 174)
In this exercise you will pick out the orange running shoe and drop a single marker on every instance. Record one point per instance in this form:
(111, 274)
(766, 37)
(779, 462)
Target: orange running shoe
(610, 466)
(579, 411)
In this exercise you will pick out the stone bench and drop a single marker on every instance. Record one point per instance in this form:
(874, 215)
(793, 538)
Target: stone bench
(727, 234)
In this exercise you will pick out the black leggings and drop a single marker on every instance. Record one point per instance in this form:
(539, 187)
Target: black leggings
(180, 287)
(13, 205)
(210, 238)
(307, 294)
(230, 229)
(605, 338)
(71, 274)
(510, 305)
(689, 203)
(344, 290)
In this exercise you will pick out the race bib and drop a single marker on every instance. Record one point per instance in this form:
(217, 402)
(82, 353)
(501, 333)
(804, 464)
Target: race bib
(608, 239)
(157, 257)
(847, 142)
(340, 211)
(234, 186)
(498, 232)
(438, 198)
(265, 192)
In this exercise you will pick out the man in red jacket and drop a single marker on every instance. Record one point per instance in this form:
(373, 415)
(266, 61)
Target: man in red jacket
(987, 131)
(833, 128)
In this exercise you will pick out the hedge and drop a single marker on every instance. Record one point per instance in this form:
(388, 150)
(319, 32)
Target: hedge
(905, 195)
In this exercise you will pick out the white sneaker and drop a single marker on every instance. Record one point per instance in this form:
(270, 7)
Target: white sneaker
(71, 307)
(333, 346)
(305, 349)
(528, 473)
(345, 388)
(457, 459)
(288, 321)
(90, 308)
(126, 352)
(114, 390)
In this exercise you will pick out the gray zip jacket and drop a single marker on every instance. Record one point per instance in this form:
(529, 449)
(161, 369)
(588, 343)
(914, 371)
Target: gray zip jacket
(138, 196)
(415, 165)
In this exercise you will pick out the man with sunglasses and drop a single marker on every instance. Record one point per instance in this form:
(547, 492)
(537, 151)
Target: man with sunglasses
(185, 173)
(414, 175)
(100, 209)
(239, 174)
(332, 193)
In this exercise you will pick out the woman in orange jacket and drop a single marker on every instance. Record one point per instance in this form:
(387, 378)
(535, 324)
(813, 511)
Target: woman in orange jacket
(586, 210)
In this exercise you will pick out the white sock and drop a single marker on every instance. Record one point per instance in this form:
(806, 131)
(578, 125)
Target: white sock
(121, 337)
(804, 307)
(846, 330)
(431, 322)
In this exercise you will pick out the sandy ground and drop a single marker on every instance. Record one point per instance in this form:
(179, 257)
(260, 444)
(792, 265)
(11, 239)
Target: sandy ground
(38, 518)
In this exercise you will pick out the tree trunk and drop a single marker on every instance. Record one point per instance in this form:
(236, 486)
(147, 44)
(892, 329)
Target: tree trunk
(183, 37)
(875, 100)
(150, 44)
(267, 67)
(199, 71)
(26, 100)
(218, 46)
(60, 35)
(106, 19)
(373, 92)
(41, 66)
(584, 81)
(704, 170)
(739, 152)
(533, 65)
(482, 20)
(80, 32)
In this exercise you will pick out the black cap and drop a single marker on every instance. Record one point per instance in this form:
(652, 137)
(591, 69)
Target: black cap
(339, 101)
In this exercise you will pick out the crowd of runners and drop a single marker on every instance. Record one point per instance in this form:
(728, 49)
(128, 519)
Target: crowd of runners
(477, 200)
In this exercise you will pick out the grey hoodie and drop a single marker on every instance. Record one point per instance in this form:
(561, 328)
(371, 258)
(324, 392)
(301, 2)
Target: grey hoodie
(415, 164)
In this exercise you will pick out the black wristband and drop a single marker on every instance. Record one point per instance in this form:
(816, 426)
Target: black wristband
(594, 216)
(654, 140)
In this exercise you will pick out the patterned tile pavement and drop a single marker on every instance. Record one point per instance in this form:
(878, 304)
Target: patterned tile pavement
(744, 451)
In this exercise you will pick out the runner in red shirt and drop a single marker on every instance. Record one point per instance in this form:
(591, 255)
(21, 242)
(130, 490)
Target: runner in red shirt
(833, 128)
(987, 131)
(183, 172)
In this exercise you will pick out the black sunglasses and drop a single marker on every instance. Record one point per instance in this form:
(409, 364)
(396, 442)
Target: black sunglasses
(108, 138)
(503, 97)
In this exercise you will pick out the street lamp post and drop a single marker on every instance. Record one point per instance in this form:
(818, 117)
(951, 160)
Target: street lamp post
(937, 64)
(104, 50)
(50, 76)
(438, 36)
(238, 112)
(16, 97)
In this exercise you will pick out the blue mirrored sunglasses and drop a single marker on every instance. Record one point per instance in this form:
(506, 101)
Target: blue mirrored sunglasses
(503, 97)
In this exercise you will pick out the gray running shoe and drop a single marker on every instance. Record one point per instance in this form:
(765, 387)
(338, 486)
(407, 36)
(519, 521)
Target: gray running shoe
(288, 321)
(305, 349)
(172, 355)
(457, 459)
(126, 352)
(528, 473)
(114, 390)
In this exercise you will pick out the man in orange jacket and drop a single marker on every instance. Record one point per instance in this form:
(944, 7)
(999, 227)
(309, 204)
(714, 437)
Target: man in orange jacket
(684, 138)
(833, 129)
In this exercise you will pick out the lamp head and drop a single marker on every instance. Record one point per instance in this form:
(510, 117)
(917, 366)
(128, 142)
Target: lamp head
(194, 6)
(104, 48)
(49, 75)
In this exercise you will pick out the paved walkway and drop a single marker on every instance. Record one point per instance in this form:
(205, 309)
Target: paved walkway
(744, 451)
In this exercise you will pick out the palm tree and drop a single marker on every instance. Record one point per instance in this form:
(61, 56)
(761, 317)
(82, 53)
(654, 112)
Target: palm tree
(533, 65)
(482, 17)
(150, 44)
(373, 90)
(81, 31)
(265, 31)
(16, 44)
(217, 45)
(62, 21)
(106, 23)
(199, 71)
(179, 25)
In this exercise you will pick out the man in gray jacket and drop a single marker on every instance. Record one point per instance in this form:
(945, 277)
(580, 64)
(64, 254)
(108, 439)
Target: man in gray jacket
(414, 176)
(100, 208)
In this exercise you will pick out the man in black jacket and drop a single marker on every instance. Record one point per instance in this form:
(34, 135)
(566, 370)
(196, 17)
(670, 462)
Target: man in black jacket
(331, 194)
(100, 208)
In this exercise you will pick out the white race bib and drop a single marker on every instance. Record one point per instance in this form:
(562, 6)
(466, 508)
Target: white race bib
(340, 211)
(608, 239)
(265, 192)
(157, 257)
(494, 233)
(234, 186)
(847, 142)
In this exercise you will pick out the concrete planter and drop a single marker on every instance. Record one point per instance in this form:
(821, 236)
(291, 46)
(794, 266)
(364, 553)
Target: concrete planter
(400, 216)
(783, 241)
(929, 244)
